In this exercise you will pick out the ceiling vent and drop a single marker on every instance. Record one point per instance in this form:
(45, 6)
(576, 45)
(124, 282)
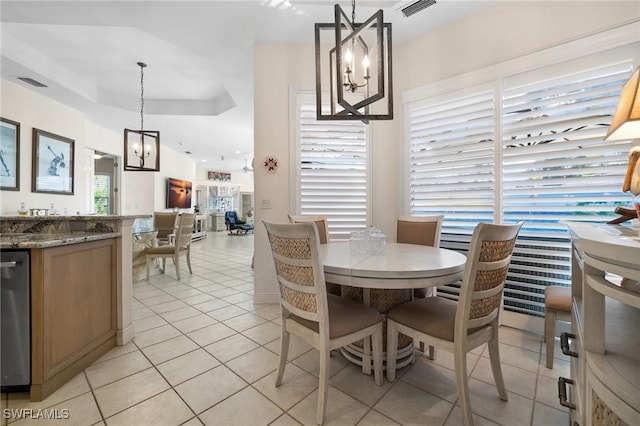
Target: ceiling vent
(416, 7)
(32, 82)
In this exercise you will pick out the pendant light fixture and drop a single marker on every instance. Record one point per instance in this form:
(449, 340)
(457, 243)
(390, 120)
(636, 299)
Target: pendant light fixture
(353, 68)
(142, 147)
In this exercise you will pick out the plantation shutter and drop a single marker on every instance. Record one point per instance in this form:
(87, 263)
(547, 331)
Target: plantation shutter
(452, 166)
(551, 165)
(556, 167)
(333, 175)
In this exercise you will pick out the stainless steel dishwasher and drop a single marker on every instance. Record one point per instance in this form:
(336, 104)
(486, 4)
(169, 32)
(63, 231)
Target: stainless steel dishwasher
(15, 298)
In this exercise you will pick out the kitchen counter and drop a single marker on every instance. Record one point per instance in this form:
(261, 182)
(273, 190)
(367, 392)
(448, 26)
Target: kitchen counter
(18, 240)
(64, 224)
(84, 258)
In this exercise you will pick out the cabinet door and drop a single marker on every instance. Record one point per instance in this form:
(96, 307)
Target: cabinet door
(73, 310)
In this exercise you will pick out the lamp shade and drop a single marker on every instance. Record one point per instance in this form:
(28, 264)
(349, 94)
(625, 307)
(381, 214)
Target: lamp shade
(626, 120)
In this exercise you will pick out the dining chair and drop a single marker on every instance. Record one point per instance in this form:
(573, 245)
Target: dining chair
(165, 223)
(323, 234)
(461, 327)
(181, 245)
(325, 321)
(422, 230)
(319, 220)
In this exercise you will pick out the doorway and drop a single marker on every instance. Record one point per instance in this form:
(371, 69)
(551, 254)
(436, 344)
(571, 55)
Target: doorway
(105, 185)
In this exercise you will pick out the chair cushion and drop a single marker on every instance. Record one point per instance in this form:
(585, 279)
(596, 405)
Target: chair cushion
(434, 316)
(557, 298)
(167, 249)
(345, 317)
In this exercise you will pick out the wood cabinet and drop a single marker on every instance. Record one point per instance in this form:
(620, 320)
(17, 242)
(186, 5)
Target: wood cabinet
(605, 366)
(73, 311)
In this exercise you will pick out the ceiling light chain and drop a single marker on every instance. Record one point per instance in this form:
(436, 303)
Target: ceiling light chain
(353, 12)
(142, 147)
(142, 66)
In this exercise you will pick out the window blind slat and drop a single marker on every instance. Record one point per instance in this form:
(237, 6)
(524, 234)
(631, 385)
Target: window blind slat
(554, 167)
(333, 175)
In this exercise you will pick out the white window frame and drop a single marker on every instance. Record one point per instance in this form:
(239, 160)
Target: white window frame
(619, 44)
(296, 98)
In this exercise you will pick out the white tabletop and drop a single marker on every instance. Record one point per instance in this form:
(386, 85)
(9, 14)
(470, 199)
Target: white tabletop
(400, 266)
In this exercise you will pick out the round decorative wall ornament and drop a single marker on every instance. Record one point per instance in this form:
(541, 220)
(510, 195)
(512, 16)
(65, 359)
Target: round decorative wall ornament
(270, 164)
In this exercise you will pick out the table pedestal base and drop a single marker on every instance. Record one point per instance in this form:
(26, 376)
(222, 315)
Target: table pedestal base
(382, 300)
(354, 354)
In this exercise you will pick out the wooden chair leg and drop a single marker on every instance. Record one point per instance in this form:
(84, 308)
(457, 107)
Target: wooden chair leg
(189, 260)
(376, 343)
(392, 350)
(323, 387)
(496, 366)
(176, 260)
(366, 356)
(284, 352)
(460, 361)
(549, 335)
(148, 262)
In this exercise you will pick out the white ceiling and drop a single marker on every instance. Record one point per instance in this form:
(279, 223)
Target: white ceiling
(199, 79)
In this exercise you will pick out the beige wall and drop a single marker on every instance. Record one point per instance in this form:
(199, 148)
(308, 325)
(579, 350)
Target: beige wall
(141, 192)
(503, 31)
(32, 110)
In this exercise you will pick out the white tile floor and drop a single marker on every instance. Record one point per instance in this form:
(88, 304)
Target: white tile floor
(205, 354)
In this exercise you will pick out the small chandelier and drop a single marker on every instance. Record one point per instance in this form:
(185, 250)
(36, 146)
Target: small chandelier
(142, 147)
(356, 60)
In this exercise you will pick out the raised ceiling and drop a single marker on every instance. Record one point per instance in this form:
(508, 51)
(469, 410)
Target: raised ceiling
(199, 79)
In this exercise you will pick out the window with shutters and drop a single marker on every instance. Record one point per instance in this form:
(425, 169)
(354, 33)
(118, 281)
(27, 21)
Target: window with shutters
(531, 149)
(332, 174)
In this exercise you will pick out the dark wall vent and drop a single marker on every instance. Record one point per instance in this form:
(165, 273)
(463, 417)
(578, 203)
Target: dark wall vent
(416, 7)
(32, 82)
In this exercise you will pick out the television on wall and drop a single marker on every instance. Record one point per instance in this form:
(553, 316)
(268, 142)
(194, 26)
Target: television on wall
(178, 193)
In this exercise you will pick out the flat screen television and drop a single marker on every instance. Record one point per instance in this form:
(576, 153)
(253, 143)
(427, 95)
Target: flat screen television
(178, 193)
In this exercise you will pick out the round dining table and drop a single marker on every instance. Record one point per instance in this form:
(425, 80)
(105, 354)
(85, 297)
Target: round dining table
(385, 279)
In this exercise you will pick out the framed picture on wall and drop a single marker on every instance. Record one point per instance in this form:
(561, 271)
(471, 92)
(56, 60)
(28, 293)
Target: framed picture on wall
(222, 176)
(9, 155)
(53, 160)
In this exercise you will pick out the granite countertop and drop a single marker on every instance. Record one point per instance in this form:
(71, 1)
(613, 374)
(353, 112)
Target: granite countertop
(51, 240)
(95, 217)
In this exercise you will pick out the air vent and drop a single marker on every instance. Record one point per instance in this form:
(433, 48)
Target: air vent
(32, 82)
(416, 7)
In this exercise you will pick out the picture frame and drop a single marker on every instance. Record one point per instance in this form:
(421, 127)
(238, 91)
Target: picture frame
(221, 176)
(9, 155)
(52, 163)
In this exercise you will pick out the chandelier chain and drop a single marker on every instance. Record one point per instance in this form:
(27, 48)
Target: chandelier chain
(353, 12)
(141, 98)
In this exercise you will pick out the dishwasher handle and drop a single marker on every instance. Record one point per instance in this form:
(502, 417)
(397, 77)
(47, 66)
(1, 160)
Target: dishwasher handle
(11, 264)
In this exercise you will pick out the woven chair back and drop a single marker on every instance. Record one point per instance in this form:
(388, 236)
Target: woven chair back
(485, 273)
(294, 247)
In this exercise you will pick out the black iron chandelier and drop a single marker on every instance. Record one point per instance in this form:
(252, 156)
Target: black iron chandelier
(353, 68)
(142, 147)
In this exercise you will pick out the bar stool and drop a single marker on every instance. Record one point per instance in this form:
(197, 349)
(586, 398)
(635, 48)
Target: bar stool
(557, 304)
